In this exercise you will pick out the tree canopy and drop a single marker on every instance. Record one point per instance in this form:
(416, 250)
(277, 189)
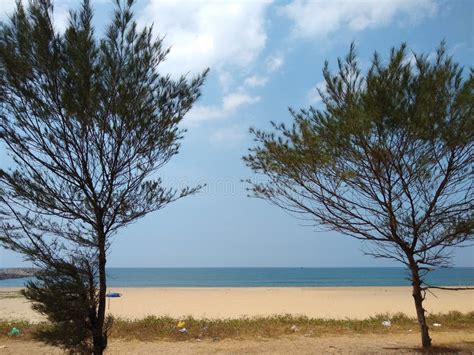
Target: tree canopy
(88, 122)
(388, 159)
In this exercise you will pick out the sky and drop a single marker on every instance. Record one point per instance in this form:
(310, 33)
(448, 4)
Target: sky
(264, 56)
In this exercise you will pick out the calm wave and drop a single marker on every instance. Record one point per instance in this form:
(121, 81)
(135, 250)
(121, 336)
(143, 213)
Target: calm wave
(271, 277)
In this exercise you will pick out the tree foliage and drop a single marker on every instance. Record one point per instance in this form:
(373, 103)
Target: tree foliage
(67, 294)
(88, 123)
(389, 159)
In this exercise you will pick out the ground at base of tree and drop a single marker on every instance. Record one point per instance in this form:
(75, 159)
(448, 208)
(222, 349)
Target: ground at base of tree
(444, 342)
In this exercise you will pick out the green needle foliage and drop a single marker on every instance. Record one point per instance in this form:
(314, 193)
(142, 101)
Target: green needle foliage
(88, 123)
(389, 159)
(67, 294)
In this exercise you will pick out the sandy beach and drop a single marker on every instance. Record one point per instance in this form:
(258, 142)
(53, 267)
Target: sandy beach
(335, 302)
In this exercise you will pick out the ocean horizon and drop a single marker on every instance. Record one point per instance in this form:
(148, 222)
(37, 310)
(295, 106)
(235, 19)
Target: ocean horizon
(273, 277)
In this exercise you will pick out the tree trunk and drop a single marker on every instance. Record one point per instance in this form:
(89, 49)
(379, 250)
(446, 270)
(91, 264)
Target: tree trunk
(100, 337)
(420, 311)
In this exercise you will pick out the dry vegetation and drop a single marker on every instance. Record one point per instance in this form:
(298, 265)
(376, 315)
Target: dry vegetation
(165, 328)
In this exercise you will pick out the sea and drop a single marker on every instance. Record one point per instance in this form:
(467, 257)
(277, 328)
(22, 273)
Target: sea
(273, 277)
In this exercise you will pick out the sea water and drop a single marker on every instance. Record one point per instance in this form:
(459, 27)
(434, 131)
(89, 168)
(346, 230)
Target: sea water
(272, 277)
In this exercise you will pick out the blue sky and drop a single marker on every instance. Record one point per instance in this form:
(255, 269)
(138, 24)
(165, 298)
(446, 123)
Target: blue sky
(264, 57)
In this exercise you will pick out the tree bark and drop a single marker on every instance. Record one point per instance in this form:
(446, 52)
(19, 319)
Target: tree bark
(418, 297)
(100, 337)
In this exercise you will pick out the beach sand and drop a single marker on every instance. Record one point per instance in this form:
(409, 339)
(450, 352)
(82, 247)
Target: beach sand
(334, 302)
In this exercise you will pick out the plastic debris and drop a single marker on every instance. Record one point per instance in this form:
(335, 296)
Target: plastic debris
(14, 332)
(294, 328)
(183, 331)
(436, 325)
(181, 324)
(387, 323)
(410, 330)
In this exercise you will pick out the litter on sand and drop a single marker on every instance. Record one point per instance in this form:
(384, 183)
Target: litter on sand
(294, 328)
(183, 331)
(14, 332)
(181, 324)
(436, 325)
(387, 323)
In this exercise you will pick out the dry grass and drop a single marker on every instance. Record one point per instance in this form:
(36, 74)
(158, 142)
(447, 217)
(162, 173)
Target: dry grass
(165, 328)
(153, 328)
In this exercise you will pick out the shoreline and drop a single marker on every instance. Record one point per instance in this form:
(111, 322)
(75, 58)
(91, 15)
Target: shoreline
(358, 302)
(110, 288)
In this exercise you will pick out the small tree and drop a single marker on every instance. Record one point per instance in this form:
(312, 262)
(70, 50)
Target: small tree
(389, 160)
(66, 293)
(88, 124)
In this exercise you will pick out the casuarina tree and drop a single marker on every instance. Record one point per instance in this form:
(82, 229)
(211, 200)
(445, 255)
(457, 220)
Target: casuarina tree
(388, 159)
(88, 122)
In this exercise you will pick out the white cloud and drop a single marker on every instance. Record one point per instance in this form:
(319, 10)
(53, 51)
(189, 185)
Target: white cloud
(60, 11)
(204, 34)
(274, 63)
(457, 47)
(255, 81)
(229, 105)
(313, 95)
(313, 19)
(225, 80)
(202, 113)
(6, 8)
(61, 15)
(410, 59)
(232, 102)
(228, 136)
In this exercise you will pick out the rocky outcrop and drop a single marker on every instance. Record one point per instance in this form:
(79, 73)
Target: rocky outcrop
(16, 273)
